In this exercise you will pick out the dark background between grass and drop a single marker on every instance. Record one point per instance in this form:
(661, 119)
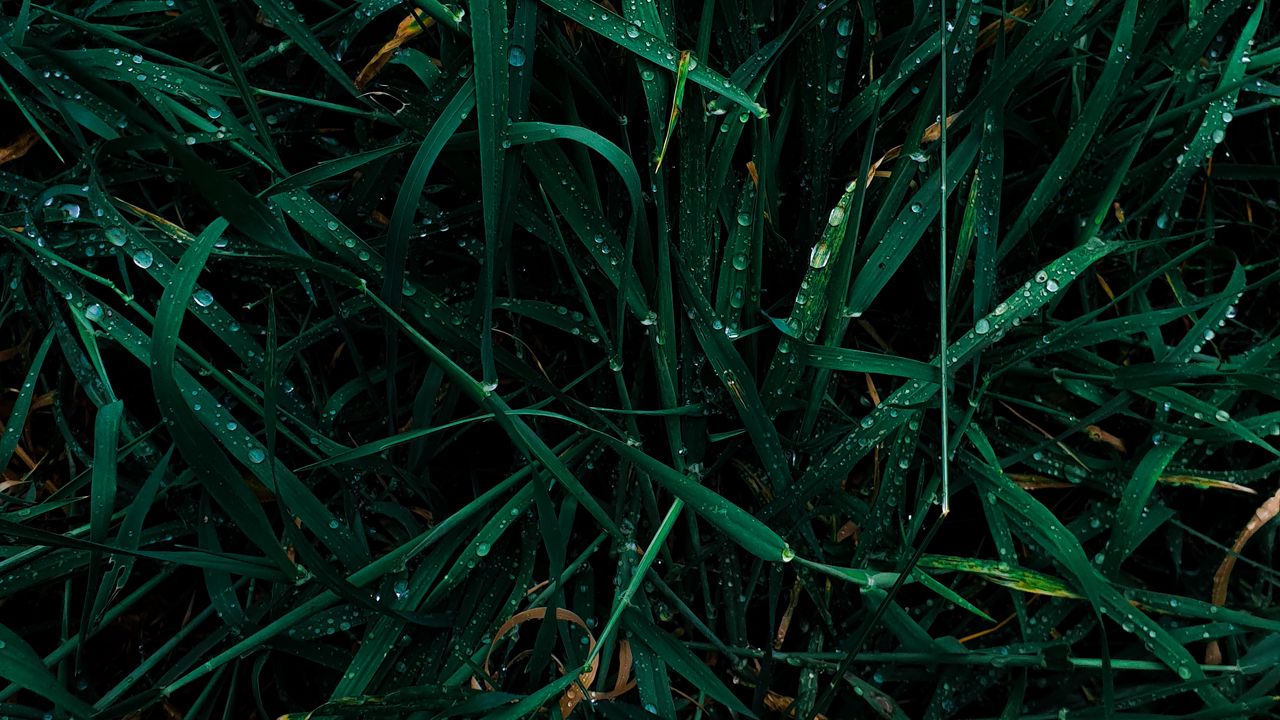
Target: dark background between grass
(311, 385)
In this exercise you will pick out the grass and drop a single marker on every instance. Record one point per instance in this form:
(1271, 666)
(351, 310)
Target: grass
(679, 360)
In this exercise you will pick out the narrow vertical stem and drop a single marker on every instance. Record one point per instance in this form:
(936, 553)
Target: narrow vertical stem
(942, 263)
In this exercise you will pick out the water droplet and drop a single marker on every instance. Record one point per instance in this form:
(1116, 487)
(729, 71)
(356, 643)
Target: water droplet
(1051, 286)
(213, 111)
(982, 327)
(203, 298)
(633, 32)
(515, 56)
(916, 207)
(836, 217)
(744, 219)
(482, 549)
(256, 456)
(116, 236)
(93, 312)
(143, 259)
(1222, 416)
(819, 255)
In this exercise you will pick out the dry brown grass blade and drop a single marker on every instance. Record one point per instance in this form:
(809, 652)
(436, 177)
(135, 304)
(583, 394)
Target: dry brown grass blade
(1046, 434)
(849, 531)
(410, 27)
(931, 134)
(1098, 435)
(987, 36)
(934, 132)
(160, 222)
(1027, 481)
(778, 702)
(1222, 578)
(576, 692)
(19, 147)
(1206, 483)
(785, 624)
(993, 628)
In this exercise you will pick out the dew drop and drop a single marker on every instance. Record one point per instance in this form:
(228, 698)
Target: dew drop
(820, 255)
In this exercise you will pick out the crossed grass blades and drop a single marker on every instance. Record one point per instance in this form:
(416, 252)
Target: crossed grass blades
(544, 358)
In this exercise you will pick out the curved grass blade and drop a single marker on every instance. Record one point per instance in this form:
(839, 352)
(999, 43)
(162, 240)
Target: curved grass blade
(213, 468)
(406, 207)
(652, 48)
(22, 404)
(20, 664)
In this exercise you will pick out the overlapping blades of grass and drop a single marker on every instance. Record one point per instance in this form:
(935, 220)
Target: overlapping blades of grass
(319, 392)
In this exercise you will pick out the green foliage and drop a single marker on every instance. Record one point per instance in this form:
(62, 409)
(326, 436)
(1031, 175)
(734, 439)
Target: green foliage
(586, 358)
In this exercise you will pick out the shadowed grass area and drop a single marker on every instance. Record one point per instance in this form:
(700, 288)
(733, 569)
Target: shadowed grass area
(521, 358)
